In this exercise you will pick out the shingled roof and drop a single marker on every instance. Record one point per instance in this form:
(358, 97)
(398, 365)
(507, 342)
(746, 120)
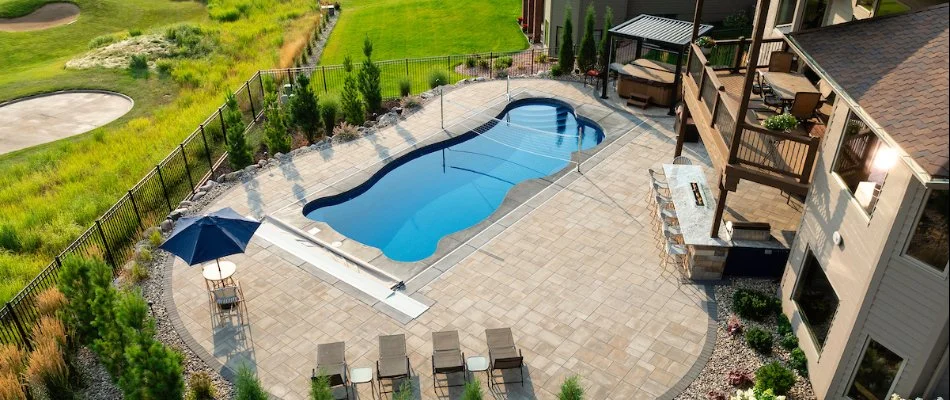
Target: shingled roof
(896, 69)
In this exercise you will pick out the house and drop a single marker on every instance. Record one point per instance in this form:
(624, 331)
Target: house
(866, 281)
(545, 18)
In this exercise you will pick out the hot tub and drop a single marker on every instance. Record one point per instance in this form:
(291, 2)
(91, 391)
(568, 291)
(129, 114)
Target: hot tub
(647, 78)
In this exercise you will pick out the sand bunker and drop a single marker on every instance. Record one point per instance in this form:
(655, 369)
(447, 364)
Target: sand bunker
(45, 118)
(47, 16)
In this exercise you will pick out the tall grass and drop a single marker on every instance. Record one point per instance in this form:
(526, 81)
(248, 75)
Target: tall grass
(49, 196)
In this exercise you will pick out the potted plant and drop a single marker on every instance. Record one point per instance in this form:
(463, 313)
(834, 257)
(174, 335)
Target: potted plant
(784, 122)
(706, 44)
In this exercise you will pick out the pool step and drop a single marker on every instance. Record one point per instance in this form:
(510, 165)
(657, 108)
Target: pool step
(639, 101)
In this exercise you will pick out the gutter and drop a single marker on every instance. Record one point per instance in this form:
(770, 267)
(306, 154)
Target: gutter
(856, 108)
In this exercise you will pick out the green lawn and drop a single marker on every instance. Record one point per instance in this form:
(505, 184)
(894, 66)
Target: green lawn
(420, 28)
(50, 193)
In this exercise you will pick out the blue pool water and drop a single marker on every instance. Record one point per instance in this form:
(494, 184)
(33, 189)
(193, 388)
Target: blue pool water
(419, 198)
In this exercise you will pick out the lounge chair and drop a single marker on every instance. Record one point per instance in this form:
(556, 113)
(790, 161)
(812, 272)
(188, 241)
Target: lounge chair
(502, 354)
(331, 361)
(447, 356)
(393, 360)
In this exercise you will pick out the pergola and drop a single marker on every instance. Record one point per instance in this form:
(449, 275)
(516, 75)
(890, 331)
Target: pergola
(667, 34)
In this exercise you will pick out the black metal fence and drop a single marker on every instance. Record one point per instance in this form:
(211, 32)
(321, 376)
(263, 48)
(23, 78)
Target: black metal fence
(112, 237)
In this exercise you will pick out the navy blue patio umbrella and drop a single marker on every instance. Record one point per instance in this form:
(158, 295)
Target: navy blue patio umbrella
(210, 237)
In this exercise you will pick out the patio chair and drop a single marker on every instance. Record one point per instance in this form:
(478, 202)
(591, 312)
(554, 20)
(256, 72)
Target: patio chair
(331, 361)
(447, 356)
(781, 61)
(229, 299)
(393, 361)
(804, 105)
(503, 355)
(682, 160)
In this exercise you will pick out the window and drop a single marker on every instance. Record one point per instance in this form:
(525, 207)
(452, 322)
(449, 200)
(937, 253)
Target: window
(786, 12)
(816, 299)
(814, 15)
(888, 7)
(863, 162)
(876, 373)
(930, 243)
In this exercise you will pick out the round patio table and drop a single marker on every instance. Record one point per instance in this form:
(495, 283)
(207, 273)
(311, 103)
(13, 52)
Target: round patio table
(213, 274)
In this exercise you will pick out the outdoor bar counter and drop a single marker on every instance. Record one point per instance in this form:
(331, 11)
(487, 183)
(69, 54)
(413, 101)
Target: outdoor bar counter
(695, 207)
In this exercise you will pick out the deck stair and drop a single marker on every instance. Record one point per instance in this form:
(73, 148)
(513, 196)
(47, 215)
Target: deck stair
(639, 100)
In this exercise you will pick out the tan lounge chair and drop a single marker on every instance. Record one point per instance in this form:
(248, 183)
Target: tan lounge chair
(447, 356)
(393, 361)
(503, 355)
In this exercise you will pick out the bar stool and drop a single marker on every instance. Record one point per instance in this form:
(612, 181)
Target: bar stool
(675, 253)
(671, 235)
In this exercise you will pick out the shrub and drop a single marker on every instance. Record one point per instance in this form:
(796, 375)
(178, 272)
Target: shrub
(350, 96)
(788, 342)
(275, 129)
(46, 371)
(200, 387)
(190, 40)
(83, 281)
(541, 58)
(705, 42)
(734, 326)
(345, 132)
(10, 388)
(759, 340)
(50, 301)
(247, 387)
(783, 122)
(503, 62)
(405, 87)
(329, 110)
(404, 392)
(571, 389)
(738, 378)
(12, 359)
(229, 14)
(411, 103)
(501, 74)
(155, 239)
(135, 32)
(784, 327)
(153, 372)
(239, 152)
(471, 62)
(483, 64)
(124, 324)
(164, 67)
(320, 388)
(566, 52)
(138, 272)
(138, 62)
(587, 58)
(754, 305)
(775, 377)
(438, 78)
(798, 361)
(472, 390)
(50, 329)
(370, 86)
(101, 41)
(556, 70)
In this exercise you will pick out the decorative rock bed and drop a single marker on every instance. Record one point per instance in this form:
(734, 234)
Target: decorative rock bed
(732, 353)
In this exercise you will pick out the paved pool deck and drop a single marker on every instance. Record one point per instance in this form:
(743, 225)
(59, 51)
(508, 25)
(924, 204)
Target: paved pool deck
(575, 273)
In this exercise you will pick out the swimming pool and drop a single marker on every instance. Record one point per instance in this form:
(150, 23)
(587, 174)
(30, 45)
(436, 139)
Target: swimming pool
(429, 193)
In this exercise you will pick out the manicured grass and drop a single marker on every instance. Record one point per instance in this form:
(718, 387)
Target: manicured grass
(49, 194)
(420, 28)
(19, 8)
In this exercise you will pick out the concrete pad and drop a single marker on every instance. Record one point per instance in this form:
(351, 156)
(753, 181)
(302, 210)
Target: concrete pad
(45, 118)
(45, 17)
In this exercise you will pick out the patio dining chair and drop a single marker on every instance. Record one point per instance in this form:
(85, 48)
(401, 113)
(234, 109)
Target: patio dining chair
(781, 61)
(804, 105)
(331, 362)
(447, 357)
(229, 300)
(393, 361)
(503, 355)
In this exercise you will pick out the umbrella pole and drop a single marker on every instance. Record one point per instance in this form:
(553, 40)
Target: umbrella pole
(218, 261)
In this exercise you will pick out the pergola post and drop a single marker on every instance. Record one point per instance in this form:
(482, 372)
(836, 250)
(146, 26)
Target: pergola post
(606, 71)
(677, 80)
(681, 132)
(758, 31)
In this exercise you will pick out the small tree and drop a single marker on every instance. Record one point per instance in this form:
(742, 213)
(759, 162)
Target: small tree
(472, 390)
(247, 387)
(83, 280)
(329, 110)
(350, 97)
(571, 389)
(587, 59)
(275, 130)
(369, 80)
(154, 372)
(127, 323)
(305, 109)
(239, 152)
(604, 38)
(320, 388)
(566, 52)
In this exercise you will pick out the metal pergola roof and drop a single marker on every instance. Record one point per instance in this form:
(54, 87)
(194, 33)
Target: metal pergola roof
(659, 30)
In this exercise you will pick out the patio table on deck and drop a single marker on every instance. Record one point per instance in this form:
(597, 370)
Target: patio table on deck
(786, 85)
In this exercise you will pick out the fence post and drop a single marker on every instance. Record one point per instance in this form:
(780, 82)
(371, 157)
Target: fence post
(491, 63)
(224, 127)
(105, 243)
(19, 328)
(323, 70)
(181, 147)
(247, 85)
(532, 61)
(260, 80)
(407, 67)
(135, 207)
(161, 180)
(207, 149)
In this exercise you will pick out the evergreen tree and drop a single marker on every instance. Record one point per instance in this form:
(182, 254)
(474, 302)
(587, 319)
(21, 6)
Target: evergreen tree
(275, 130)
(247, 386)
(125, 324)
(154, 372)
(587, 59)
(329, 108)
(350, 98)
(604, 41)
(370, 87)
(565, 56)
(84, 281)
(239, 152)
(305, 109)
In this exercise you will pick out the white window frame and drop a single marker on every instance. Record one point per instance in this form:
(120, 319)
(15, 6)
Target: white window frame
(868, 214)
(854, 368)
(910, 235)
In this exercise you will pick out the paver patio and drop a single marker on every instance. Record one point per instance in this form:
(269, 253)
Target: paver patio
(577, 277)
